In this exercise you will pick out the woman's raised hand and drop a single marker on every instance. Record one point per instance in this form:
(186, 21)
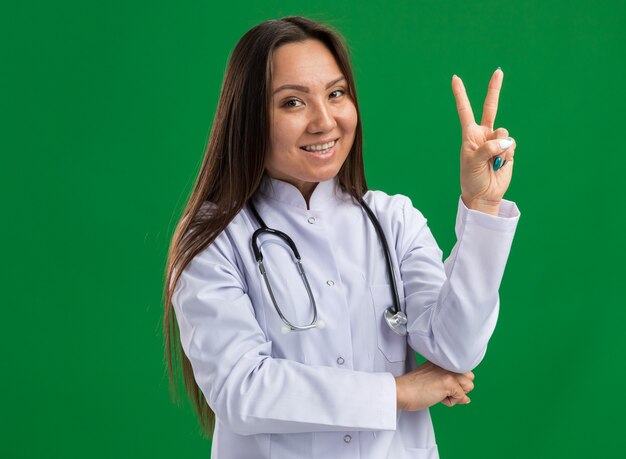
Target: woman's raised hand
(429, 384)
(482, 187)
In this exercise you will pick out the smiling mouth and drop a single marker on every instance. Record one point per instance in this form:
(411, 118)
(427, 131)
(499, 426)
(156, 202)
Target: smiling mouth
(320, 148)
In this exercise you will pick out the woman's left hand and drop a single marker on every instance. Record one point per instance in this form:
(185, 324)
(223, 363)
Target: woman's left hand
(483, 187)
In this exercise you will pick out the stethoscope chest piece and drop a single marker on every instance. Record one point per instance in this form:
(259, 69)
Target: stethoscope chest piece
(396, 320)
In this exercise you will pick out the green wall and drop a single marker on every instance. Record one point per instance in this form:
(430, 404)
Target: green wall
(106, 109)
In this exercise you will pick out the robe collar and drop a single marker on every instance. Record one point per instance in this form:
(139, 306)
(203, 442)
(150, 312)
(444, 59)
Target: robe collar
(324, 194)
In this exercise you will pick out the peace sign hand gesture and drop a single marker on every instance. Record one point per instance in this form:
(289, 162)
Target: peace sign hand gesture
(486, 155)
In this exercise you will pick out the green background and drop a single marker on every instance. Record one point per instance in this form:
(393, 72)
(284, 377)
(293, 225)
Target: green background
(105, 113)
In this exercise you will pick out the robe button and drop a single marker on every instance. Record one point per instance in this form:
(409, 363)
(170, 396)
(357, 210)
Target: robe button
(340, 360)
(347, 438)
(311, 220)
(329, 282)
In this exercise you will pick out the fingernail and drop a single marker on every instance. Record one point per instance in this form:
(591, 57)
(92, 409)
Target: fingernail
(468, 400)
(499, 68)
(505, 143)
(496, 163)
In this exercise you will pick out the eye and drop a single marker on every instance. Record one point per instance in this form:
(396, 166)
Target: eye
(339, 91)
(289, 104)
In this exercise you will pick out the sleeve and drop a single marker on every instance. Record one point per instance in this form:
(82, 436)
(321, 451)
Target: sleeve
(250, 391)
(452, 307)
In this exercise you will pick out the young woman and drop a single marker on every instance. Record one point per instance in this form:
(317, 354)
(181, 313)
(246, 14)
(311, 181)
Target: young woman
(295, 296)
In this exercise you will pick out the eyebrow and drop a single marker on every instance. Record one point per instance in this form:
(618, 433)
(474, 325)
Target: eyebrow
(298, 87)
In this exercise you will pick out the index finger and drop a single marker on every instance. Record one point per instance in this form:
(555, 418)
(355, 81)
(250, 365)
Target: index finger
(491, 101)
(462, 102)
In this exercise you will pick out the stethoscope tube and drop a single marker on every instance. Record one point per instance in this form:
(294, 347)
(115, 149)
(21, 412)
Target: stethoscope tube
(259, 258)
(383, 240)
(395, 318)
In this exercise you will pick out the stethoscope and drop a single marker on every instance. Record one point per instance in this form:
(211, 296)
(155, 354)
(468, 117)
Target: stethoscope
(395, 318)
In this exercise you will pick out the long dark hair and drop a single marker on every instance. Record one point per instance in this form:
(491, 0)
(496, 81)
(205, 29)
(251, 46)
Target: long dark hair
(234, 162)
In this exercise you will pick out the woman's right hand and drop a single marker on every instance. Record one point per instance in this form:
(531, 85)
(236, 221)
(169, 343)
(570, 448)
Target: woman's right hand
(429, 384)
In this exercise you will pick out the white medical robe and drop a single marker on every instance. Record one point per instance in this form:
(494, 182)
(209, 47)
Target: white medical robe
(330, 392)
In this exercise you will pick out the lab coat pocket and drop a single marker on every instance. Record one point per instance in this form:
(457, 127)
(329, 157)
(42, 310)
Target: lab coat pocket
(392, 345)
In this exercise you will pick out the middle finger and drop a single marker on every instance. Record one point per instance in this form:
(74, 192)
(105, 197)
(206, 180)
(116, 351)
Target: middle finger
(490, 107)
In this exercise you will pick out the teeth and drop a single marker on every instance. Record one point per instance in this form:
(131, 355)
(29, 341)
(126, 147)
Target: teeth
(324, 146)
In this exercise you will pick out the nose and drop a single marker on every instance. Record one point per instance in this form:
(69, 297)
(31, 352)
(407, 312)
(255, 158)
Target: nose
(322, 119)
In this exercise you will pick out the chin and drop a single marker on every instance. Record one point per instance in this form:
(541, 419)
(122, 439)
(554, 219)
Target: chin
(323, 176)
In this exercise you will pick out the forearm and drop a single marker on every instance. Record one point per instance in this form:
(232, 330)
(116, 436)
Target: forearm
(283, 396)
(451, 323)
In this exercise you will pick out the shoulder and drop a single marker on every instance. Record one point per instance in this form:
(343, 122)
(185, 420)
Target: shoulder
(402, 223)
(395, 207)
(380, 197)
(208, 211)
(400, 220)
(222, 249)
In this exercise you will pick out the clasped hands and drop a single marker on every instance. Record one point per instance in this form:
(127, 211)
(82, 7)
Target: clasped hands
(430, 384)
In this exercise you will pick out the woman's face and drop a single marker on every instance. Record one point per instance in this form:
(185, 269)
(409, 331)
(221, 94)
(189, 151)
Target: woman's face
(309, 107)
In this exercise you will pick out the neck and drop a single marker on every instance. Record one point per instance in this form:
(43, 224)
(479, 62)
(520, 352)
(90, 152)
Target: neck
(307, 189)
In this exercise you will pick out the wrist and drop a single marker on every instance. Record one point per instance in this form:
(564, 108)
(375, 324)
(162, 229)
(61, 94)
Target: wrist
(483, 205)
(399, 403)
